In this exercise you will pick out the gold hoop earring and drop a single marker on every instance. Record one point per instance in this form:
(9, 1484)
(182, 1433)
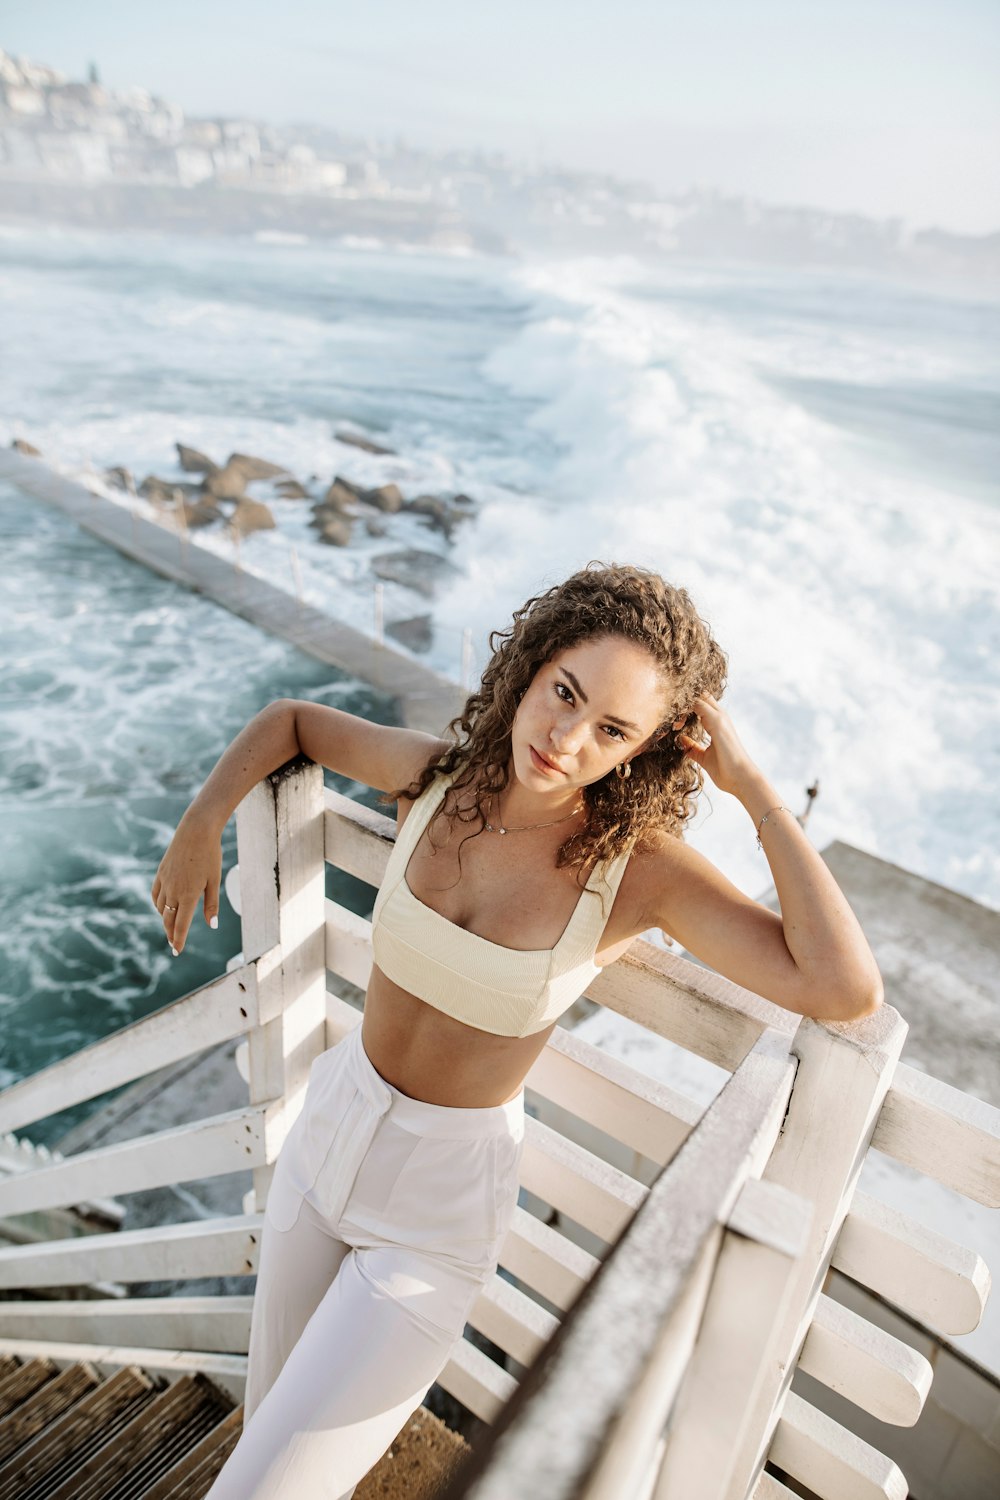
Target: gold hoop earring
(623, 775)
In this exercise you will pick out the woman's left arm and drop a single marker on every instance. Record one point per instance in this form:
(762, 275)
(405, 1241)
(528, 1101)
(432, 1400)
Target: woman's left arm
(813, 958)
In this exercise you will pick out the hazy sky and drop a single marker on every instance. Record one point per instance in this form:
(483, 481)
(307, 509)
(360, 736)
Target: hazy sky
(888, 107)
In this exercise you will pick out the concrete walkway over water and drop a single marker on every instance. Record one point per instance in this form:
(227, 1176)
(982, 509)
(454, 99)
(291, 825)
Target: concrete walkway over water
(427, 699)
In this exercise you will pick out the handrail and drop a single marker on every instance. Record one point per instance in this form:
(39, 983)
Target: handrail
(219, 1010)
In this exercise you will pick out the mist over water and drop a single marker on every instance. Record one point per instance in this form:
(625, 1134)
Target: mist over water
(814, 457)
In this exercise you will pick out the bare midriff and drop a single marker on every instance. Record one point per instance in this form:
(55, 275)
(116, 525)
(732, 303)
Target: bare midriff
(431, 1056)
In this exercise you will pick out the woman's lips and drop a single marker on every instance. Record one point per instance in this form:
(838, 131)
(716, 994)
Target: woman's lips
(541, 764)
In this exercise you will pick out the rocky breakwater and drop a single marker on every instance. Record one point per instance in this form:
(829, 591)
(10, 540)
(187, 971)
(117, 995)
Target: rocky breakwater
(343, 513)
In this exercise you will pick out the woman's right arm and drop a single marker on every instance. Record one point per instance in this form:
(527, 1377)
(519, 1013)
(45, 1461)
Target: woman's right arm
(380, 755)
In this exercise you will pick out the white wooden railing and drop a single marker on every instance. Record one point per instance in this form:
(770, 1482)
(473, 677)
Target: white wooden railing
(650, 1332)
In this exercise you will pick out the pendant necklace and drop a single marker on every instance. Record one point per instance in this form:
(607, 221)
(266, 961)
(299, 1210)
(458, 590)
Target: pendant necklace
(525, 827)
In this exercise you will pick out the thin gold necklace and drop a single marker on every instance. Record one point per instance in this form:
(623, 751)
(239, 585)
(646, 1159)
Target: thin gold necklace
(526, 827)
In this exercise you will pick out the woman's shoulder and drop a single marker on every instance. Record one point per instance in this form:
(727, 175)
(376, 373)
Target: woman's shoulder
(657, 858)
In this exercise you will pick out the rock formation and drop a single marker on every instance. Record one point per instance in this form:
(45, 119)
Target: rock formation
(251, 515)
(387, 497)
(193, 462)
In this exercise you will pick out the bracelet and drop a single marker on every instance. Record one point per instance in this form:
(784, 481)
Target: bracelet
(780, 808)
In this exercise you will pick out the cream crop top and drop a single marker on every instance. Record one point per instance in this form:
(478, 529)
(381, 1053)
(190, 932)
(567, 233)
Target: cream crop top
(509, 991)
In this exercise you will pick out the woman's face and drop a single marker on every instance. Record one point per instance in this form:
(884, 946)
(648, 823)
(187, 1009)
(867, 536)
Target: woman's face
(591, 706)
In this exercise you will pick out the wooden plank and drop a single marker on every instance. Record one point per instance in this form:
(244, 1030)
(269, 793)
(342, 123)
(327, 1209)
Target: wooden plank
(769, 1488)
(348, 949)
(225, 1007)
(844, 1072)
(942, 1132)
(225, 1246)
(191, 1477)
(228, 1370)
(24, 1382)
(477, 1381)
(689, 1005)
(865, 1364)
(635, 1441)
(279, 835)
(630, 1106)
(766, 1234)
(578, 1183)
(217, 1322)
(916, 1269)
(827, 1458)
(358, 839)
(46, 1406)
(228, 1142)
(545, 1260)
(511, 1320)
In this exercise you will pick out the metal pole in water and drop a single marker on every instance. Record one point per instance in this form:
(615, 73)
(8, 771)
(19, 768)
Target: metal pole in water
(132, 498)
(378, 623)
(297, 575)
(182, 529)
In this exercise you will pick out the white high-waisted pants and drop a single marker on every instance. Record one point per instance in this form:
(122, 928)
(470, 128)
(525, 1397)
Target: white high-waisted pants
(384, 1218)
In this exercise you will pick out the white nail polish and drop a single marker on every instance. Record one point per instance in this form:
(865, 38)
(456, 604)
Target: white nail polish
(213, 922)
(174, 951)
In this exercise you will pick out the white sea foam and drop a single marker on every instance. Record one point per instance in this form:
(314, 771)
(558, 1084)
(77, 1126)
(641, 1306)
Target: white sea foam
(859, 610)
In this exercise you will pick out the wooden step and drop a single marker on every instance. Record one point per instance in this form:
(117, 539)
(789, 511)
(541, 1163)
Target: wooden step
(193, 1475)
(48, 1403)
(46, 1460)
(144, 1449)
(72, 1434)
(23, 1382)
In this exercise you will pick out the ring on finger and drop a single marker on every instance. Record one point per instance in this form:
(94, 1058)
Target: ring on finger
(170, 908)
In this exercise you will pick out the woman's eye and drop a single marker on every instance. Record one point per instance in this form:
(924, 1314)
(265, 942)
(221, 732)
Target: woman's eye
(613, 729)
(561, 688)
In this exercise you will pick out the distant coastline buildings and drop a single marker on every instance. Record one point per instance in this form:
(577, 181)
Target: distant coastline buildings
(63, 130)
(77, 152)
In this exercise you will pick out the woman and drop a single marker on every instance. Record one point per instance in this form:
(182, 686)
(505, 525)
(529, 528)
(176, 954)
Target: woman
(533, 845)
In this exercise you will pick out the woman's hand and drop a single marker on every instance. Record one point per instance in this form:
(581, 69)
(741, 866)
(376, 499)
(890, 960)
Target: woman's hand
(724, 757)
(190, 869)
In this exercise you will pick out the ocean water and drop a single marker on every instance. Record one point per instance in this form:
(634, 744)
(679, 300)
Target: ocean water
(815, 457)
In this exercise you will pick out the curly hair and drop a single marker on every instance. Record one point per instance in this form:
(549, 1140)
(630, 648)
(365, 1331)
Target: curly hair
(600, 600)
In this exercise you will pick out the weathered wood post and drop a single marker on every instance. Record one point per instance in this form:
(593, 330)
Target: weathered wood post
(279, 832)
(844, 1072)
(763, 1242)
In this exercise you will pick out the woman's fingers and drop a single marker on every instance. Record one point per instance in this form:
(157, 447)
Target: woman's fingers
(168, 911)
(188, 873)
(212, 902)
(182, 923)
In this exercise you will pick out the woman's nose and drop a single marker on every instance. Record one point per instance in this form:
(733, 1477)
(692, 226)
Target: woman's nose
(567, 737)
